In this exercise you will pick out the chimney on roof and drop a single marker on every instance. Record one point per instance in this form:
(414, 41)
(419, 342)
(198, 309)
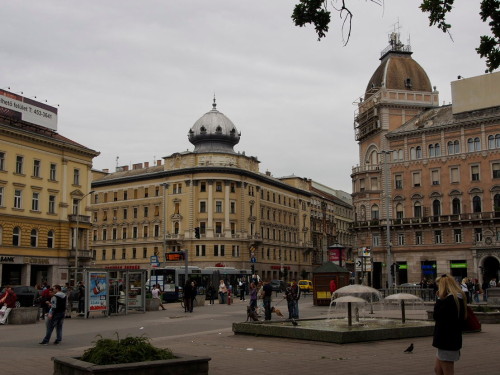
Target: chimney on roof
(137, 166)
(125, 168)
(106, 170)
(268, 173)
(158, 162)
(146, 164)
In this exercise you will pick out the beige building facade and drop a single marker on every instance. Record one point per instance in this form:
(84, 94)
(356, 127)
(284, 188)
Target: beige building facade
(43, 177)
(211, 202)
(426, 190)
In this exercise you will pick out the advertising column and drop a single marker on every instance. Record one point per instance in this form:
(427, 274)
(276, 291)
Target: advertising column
(98, 291)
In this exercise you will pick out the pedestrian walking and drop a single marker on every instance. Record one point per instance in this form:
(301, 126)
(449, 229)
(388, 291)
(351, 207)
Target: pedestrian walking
(55, 316)
(155, 293)
(253, 296)
(211, 293)
(222, 291)
(296, 292)
(450, 311)
(268, 292)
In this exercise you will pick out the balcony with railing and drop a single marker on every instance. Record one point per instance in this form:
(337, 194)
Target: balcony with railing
(465, 218)
(82, 219)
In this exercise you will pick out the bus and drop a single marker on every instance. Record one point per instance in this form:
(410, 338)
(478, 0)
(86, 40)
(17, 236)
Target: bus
(172, 278)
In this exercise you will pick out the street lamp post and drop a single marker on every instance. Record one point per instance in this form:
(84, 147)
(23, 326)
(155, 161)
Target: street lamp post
(164, 238)
(77, 232)
(387, 197)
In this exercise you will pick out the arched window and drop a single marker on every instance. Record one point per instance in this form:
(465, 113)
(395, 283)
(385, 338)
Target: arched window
(417, 209)
(373, 159)
(431, 151)
(375, 213)
(476, 204)
(455, 206)
(470, 145)
(413, 153)
(400, 154)
(436, 207)
(16, 236)
(496, 203)
(491, 142)
(418, 151)
(497, 141)
(50, 239)
(477, 144)
(399, 211)
(176, 227)
(437, 148)
(453, 147)
(34, 238)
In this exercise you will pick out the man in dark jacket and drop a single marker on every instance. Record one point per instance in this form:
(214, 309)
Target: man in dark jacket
(268, 292)
(55, 316)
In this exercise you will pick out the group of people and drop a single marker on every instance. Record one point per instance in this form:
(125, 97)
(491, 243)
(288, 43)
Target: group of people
(7, 302)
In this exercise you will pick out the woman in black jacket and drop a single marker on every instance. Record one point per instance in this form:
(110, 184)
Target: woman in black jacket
(450, 312)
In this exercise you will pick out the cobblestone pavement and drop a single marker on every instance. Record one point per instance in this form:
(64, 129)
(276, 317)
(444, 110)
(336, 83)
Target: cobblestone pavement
(207, 332)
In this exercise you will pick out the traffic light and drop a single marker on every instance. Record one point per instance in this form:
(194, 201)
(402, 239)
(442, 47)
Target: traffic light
(197, 232)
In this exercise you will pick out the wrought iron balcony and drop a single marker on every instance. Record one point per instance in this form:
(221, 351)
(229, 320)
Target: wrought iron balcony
(82, 219)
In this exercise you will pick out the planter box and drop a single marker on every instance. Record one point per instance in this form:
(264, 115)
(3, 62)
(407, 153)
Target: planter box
(152, 304)
(182, 365)
(23, 315)
(199, 300)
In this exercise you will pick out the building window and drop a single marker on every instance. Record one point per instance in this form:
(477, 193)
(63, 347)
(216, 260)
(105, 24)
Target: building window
(203, 187)
(76, 176)
(157, 230)
(474, 144)
(34, 238)
(52, 204)
(113, 254)
(135, 212)
(50, 239)
(218, 206)
(35, 201)
(235, 251)
(453, 147)
(478, 234)
(474, 170)
(398, 179)
(113, 234)
(144, 252)
(19, 164)
(457, 235)
(104, 234)
(203, 228)
(16, 236)
(399, 211)
(233, 207)
(124, 254)
(75, 209)
(494, 141)
(18, 201)
(476, 204)
(456, 206)
(103, 254)
(419, 239)
(416, 179)
(219, 250)
(36, 168)
(146, 211)
(134, 232)
(145, 231)
(401, 239)
(203, 206)
(361, 184)
(233, 187)
(52, 172)
(375, 240)
(125, 213)
(218, 186)
(417, 210)
(375, 212)
(496, 170)
(374, 183)
(436, 207)
(435, 176)
(146, 192)
(454, 175)
(2, 161)
(201, 250)
(218, 227)
(177, 188)
(438, 236)
(124, 233)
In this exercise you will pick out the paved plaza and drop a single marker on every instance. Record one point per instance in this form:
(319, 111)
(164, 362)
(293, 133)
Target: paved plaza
(207, 332)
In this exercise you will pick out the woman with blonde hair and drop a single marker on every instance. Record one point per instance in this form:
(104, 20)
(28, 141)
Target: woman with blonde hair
(450, 312)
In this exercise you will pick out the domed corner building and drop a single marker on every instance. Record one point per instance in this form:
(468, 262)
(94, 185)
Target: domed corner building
(426, 192)
(215, 204)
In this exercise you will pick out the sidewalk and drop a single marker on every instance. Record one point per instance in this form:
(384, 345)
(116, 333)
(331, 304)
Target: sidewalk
(207, 332)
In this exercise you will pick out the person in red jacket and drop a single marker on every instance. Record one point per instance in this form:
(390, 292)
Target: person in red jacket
(333, 286)
(8, 298)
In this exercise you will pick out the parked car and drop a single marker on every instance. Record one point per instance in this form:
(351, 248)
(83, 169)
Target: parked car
(306, 286)
(26, 295)
(278, 285)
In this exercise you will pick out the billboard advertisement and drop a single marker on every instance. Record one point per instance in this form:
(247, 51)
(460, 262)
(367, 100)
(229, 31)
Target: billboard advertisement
(98, 291)
(19, 108)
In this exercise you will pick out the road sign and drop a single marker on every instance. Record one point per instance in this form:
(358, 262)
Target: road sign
(359, 265)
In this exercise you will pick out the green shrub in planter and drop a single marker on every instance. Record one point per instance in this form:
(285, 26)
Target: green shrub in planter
(127, 350)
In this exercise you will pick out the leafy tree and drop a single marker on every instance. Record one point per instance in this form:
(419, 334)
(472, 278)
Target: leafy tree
(316, 12)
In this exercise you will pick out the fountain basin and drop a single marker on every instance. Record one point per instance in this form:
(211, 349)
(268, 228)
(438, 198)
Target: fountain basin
(337, 330)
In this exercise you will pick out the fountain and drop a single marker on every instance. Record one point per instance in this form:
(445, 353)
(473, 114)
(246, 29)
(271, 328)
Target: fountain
(344, 330)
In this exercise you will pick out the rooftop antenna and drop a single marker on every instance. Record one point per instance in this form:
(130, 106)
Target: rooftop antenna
(117, 158)
(214, 105)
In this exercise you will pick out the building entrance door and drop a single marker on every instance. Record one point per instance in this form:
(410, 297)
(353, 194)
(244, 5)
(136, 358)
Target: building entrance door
(490, 268)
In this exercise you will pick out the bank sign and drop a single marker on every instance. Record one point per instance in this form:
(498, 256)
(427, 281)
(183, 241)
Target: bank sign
(18, 107)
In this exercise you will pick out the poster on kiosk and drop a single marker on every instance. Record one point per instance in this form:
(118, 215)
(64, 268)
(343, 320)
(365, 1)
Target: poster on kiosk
(98, 291)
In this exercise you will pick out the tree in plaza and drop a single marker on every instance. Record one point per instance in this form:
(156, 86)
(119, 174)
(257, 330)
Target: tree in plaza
(316, 12)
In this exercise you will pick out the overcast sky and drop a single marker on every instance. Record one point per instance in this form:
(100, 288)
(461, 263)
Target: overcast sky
(132, 77)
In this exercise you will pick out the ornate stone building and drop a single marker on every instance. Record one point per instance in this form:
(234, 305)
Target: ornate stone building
(211, 202)
(43, 177)
(427, 189)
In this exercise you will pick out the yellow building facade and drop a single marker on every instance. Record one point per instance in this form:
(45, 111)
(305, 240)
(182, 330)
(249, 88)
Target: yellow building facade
(212, 202)
(43, 177)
